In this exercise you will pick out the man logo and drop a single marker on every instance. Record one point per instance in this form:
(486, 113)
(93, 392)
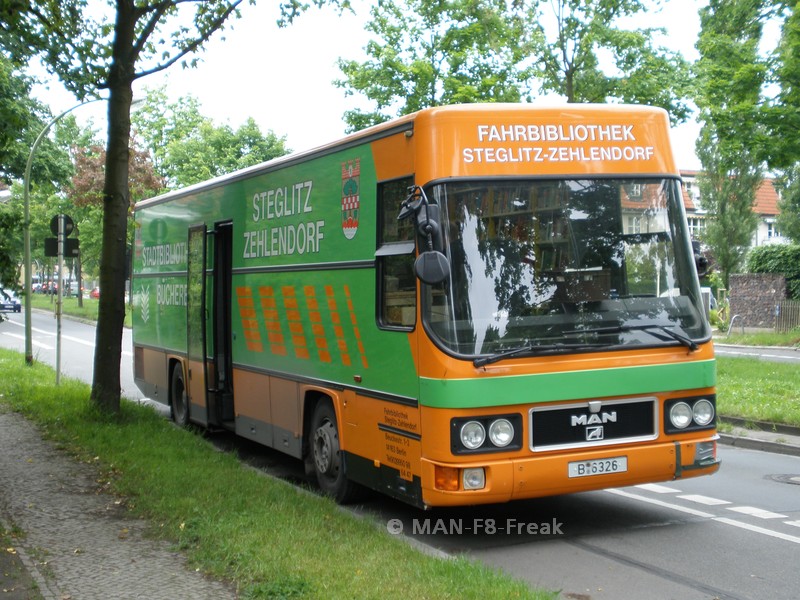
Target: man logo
(594, 433)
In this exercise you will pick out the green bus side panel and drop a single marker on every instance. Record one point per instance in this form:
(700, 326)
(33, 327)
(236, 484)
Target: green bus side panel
(159, 312)
(320, 325)
(304, 241)
(574, 385)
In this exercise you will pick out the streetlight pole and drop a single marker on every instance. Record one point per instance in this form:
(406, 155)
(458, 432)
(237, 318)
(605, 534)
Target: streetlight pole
(26, 226)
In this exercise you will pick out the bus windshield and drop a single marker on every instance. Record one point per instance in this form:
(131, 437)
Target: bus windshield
(545, 266)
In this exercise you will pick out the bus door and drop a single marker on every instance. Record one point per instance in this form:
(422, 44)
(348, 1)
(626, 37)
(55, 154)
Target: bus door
(208, 326)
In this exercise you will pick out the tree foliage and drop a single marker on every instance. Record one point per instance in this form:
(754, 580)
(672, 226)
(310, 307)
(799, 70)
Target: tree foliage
(188, 147)
(430, 53)
(789, 204)
(93, 46)
(780, 112)
(10, 220)
(572, 37)
(730, 78)
(85, 195)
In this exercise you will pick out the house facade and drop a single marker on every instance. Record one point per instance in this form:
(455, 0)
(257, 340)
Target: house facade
(765, 205)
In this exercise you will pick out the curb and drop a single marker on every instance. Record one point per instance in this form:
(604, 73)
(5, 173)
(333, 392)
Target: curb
(741, 441)
(762, 435)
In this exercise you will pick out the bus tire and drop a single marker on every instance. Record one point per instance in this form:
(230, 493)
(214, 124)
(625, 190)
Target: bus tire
(326, 456)
(178, 398)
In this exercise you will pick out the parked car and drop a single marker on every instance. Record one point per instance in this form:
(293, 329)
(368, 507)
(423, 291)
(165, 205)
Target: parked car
(9, 302)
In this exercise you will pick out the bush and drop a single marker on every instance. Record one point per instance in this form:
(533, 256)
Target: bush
(778, 258)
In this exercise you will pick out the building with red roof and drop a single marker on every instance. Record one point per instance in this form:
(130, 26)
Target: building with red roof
(765, 205)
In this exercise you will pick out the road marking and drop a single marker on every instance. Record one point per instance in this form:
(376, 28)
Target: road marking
(658, 489)
(756, 512)
(733, 522)
(63, 337)
(792, 523)
(724, 352)
(756, 529)
(703, 500)
(686, 509)
(33, 342)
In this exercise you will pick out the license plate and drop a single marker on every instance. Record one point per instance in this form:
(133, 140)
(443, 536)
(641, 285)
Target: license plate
(601, 466)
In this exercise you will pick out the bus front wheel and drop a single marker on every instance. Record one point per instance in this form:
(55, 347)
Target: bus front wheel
(326, 455)
(179, 399)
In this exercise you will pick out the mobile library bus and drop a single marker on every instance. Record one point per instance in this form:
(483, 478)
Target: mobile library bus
(470, 304)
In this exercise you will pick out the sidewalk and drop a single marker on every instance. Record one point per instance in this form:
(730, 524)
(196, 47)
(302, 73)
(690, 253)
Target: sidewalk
(77, 544)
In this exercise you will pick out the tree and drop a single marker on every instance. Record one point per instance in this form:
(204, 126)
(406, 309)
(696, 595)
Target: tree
(780, 112)
(86, 197)
(568, 54)
(434, 53)
(189, 148)
(89, 55)
(10, 220)
(730, 146)
(789, 204)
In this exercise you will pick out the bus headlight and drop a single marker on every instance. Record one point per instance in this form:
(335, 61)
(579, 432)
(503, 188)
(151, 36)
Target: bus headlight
(501, 432)
(703, 412)
(474, 479)
(690, 414)
(680, 415)
(473, 435)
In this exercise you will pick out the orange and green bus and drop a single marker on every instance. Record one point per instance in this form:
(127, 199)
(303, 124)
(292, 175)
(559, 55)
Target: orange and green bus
(470, 304)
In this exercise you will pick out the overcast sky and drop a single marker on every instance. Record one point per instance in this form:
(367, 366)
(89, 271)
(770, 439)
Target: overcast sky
(283, 77)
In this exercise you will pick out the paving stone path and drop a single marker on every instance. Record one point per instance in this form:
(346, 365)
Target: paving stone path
(79, 544)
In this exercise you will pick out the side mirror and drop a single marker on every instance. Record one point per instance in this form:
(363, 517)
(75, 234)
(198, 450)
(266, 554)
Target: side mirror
(431, 265)
(701, 264)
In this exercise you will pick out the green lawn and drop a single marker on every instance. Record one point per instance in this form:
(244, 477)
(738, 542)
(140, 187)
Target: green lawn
(70, 307)
(758, 390)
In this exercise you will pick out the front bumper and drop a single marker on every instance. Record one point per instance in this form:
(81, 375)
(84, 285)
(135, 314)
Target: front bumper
(548, 475)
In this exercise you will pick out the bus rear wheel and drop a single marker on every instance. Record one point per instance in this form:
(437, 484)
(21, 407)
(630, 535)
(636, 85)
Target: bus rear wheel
(179, 399)
(326, 456)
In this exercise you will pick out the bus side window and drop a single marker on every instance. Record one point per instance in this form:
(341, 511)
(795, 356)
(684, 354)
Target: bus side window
(397, 285)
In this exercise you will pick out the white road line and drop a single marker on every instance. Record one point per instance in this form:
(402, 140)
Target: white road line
(724, 352)
(33, 342)
(686, 509)
(756, 512)
(733, 522)
(792, 523)
(761, 530)
(53, 334)
(708, 501)
(658, 489)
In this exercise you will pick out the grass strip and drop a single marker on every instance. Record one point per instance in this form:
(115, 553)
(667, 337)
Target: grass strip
(70, 307)
(271, 539)
(758, 390)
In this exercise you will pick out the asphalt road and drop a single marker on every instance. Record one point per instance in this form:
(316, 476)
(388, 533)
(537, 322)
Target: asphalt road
(735, 535)
(77, 346)
(788, 355)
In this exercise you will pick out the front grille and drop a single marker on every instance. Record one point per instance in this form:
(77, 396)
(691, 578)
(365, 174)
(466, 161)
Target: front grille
(593, 423)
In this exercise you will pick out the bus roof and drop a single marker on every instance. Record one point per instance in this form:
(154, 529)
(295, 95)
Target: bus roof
(506, 139)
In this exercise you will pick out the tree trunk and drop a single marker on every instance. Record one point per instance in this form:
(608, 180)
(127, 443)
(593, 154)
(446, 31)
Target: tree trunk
(116, 201)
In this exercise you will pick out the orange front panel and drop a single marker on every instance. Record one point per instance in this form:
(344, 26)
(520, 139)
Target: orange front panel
(521, 140)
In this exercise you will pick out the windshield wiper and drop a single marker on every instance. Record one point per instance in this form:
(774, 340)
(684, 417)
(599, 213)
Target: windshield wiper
(657, 331)
(532, 349)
